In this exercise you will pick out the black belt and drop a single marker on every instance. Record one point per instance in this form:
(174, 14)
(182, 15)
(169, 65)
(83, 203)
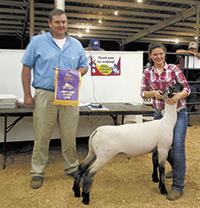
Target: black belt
(44, 89)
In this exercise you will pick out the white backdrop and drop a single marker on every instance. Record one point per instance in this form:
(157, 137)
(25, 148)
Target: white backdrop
(123, 88)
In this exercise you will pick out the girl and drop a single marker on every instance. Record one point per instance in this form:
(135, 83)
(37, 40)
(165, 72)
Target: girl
(155, 80)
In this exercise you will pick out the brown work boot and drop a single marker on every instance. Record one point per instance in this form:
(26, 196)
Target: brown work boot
(174, 195)
(169, 175)
(36, 182)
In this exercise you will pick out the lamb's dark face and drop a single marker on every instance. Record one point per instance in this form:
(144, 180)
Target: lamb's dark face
(176, 88)
(168, 93)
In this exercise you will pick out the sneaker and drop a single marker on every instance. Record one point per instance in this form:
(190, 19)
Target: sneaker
(174, 195)
(169, 175)
(36, 182)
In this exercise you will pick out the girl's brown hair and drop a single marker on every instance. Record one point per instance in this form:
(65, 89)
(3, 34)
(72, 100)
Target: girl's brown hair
(153, 46)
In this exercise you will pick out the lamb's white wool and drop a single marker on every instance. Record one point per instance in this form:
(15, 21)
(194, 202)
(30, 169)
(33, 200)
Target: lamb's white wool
(135, 139)
(131, 139)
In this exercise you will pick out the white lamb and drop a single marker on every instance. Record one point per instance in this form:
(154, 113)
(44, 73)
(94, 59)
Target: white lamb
(131, 139)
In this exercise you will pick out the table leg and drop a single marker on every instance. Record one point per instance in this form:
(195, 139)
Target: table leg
(4, 144)
(114, 117)
(6, 130)
(122, 119)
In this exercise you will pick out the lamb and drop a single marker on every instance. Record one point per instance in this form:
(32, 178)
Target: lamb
(130, 139)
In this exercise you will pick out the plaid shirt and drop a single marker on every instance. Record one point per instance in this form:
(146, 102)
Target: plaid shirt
(151, 81)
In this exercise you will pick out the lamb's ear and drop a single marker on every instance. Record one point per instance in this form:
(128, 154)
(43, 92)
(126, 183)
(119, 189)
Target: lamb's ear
(181, 87)
(170, 94)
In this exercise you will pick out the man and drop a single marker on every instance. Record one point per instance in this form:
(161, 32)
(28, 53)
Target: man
(192, 49)
(54, 49)
(192, 75)
(94, 45)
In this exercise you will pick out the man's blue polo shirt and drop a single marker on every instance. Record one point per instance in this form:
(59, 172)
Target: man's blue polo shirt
(43, 55)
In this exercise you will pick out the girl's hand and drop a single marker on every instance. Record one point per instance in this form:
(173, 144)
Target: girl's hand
(173, 100)
(158, 95)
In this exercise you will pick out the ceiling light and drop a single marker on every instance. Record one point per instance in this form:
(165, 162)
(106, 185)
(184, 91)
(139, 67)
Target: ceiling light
(176, 41)
(87, 30)
(139, 1)
(79, 35)
(100, 21)
(195, 38)
(116, 12)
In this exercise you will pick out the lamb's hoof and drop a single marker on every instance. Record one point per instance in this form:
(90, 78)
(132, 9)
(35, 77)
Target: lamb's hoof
(163, 192)
(86, 198)
(77, 192)
(155, 179)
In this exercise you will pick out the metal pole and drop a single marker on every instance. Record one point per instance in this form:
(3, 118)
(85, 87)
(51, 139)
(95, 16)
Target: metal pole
(59, 4)
(32, 19)
(197, 31)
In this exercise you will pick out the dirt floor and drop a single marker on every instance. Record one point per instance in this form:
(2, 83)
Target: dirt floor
(124, 182)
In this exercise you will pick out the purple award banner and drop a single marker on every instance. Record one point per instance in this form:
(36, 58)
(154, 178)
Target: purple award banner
(67, 87)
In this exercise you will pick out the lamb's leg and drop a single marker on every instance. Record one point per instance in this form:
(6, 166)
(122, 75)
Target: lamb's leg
(155, 166)
(162, 155)
(88, 177)
(77, 180)
(79, 173)
(162, 187)
(170, 158)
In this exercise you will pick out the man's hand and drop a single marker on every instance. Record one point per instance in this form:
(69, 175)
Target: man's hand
(28, 101)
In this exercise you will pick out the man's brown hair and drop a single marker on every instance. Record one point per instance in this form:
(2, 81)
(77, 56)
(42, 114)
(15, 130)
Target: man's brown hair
(56, 12)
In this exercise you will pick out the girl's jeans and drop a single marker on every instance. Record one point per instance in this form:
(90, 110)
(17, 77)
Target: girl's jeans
(178, 149)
